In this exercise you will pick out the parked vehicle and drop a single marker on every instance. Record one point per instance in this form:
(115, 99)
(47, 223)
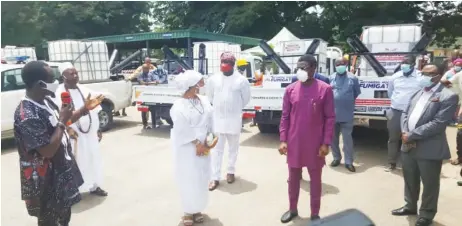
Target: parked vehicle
(117, 95)
(377, 55)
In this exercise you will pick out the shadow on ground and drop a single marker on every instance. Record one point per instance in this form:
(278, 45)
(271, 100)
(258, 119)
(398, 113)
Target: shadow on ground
(159, 132)
(88, 202)
(238, 187)
(208, 221)
(413, 219)
(327, 189)
(262, 140)
(8, 145)
(120, 124)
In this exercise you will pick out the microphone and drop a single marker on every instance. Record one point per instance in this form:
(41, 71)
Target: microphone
(66, 100)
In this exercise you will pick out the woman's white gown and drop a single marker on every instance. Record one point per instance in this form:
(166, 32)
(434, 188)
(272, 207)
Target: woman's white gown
(191, 121)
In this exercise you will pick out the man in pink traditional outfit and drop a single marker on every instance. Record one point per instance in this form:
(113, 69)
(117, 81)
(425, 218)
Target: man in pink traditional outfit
(306, 132)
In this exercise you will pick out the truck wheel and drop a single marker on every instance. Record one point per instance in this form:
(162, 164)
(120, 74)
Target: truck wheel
(169, 121)
(105, 117)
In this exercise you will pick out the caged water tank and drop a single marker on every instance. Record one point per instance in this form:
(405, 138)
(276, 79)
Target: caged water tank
(90, 58)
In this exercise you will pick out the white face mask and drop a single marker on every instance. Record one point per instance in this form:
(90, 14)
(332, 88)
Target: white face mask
(52, 87)
(302, 75)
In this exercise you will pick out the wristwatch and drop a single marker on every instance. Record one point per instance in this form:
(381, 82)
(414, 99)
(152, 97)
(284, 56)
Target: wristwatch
(62, 125)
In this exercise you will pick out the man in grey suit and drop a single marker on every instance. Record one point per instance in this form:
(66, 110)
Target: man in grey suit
(425, 145)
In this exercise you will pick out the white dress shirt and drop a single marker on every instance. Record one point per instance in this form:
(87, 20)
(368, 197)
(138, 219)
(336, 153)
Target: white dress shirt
(419, 107)
(401, 88)
(456, 84)
(228, 95)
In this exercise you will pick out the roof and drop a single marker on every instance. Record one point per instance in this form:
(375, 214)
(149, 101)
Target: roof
(283, 35)
(174, 38)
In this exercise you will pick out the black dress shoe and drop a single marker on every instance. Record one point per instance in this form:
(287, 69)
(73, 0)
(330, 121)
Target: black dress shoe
(350, 167)
(99, 192)
(288, 216)
(423, 222)
(391, 167)
(335, 163)
(313, 218)
(403, 211)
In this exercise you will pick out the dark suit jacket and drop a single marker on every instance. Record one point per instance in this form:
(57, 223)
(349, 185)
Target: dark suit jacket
(430, 131)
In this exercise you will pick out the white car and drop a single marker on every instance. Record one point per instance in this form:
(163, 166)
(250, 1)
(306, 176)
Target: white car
(117, 95)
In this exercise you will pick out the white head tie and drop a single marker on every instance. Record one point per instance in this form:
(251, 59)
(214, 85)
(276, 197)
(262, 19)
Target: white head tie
(186, 80)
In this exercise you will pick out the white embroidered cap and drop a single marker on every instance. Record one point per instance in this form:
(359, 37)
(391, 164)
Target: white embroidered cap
(64, 66)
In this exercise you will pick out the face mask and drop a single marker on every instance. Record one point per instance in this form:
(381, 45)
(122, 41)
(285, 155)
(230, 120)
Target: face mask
(49, 88)
(405, 68)
(225, 68)
(425, 81)
(341, 69)
(457, 68)
(302, 75)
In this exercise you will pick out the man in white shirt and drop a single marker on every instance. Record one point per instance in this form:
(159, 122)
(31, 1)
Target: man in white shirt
(425, 145)
(401, 86)
(455, 84)
(228, 92)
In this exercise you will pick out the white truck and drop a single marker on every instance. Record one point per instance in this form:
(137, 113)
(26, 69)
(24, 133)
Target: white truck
(388, 45)
(117, 95)
(160, 98)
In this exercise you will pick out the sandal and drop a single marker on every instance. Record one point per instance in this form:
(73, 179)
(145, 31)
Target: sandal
(198, 218)
(188, 220)
(213, 185)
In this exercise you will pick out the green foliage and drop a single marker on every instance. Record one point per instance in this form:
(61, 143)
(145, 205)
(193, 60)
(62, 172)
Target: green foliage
(32, 23)
(26, 23)
(335, 23)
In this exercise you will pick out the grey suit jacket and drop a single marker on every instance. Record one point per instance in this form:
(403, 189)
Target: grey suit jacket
(430, 131)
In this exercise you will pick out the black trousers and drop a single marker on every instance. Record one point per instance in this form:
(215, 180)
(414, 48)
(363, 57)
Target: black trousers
(55, 219)
(144, 118)
(459, 143)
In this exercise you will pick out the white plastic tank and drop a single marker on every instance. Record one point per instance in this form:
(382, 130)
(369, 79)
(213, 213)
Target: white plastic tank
(9, 52)
(389, 38)
(292, 50)
(213, 51)
(90, 58)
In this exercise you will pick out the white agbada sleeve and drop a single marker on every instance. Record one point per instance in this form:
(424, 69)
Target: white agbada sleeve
(181, 126)
(210, 89)
(245, 92)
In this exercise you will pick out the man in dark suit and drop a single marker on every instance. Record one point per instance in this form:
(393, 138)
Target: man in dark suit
(425, 146)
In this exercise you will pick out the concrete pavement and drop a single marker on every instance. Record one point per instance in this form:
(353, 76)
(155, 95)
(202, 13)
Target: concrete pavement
(139, 178)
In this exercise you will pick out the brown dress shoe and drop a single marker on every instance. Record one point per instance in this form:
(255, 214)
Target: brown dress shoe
(230, 178)
(213, 185)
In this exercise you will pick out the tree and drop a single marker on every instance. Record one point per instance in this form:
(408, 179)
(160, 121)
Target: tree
(335, 24)
(34, 22)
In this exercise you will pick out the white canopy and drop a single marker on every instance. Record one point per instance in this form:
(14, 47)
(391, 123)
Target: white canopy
(283, 35)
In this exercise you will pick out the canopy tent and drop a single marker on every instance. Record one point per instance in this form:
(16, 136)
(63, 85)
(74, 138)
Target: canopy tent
(275, 42)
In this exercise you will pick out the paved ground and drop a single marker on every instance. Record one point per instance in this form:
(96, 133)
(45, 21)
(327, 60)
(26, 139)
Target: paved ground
(138, 177)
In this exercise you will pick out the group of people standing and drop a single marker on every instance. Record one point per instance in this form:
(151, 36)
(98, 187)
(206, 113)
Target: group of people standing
(421, 109)
(57, 143)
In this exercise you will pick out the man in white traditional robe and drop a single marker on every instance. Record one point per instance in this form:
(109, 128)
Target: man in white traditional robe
(85, 132)
(229, 93)
(192, 121)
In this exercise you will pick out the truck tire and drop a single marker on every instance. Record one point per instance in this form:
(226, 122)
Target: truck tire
(169, 121)
(267, 128)
(105, 117)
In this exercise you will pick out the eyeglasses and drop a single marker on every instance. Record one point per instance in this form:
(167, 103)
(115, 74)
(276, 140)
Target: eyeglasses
(430, 74)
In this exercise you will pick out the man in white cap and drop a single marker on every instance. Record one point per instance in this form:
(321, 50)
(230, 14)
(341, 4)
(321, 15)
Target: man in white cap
(229, 93)
(85, 133)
